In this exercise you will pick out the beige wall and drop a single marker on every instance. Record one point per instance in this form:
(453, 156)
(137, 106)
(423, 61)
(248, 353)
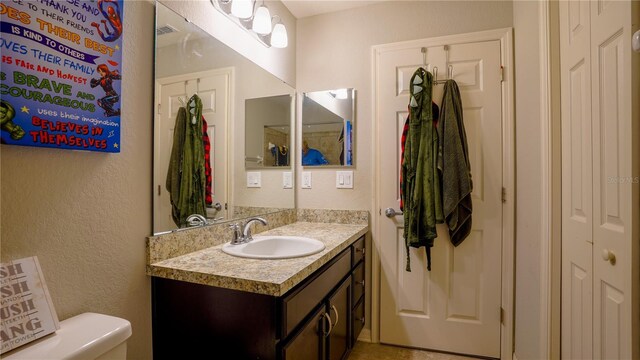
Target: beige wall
(528, 341)
(86, 215)
(334, 51)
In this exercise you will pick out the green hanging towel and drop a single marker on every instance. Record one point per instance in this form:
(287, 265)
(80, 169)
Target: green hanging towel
(421, 186)
(186, 178)
(454, 165)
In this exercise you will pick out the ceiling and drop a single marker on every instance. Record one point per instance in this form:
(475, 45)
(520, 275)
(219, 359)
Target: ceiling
(306, 8)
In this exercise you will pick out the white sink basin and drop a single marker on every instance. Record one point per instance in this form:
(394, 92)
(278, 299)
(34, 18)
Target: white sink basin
(275, 247)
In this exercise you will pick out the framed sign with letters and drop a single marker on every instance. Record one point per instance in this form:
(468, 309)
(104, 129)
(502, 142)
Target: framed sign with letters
(61, 75)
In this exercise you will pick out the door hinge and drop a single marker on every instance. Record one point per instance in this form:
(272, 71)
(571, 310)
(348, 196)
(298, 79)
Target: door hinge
(159, 109)
(504, 195)
(501, 315)
(225, 206)
(501, 73)
(159, 190)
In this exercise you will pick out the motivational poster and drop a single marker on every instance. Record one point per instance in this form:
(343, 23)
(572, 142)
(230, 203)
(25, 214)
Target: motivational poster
(26, 309)
(61, 73)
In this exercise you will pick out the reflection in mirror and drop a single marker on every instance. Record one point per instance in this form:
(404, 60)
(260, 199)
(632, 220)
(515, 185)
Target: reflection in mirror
(327, 128)
(194, 67)
(268, 134)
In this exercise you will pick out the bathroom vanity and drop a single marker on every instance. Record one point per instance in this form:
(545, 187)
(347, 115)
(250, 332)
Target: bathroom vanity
(208, 302)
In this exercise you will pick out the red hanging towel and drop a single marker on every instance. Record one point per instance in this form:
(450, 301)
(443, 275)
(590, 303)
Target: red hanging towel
(207, 163)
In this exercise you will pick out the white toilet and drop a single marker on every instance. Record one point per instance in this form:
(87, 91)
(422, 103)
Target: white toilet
(83, 337)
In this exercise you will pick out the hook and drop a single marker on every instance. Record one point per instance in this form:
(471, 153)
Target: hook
(435, 74)
(423, 50)
(450, 72)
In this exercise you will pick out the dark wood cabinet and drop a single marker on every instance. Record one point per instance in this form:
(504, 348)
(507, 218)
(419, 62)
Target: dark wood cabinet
(314, 320)
(309, 342)
(358, 292)
(339, 306)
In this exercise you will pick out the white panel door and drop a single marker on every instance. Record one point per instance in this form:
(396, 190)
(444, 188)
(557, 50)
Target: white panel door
(577, 239)
(456, 306)
(213, 89)
(613, 178)
(599, 180)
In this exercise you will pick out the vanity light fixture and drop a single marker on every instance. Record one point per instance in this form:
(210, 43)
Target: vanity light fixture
(262, 20)
(258, 23)
(340, 94)
(242, 9)
(279, 38)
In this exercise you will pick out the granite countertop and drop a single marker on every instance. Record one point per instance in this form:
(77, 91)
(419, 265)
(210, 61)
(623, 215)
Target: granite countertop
(213, 267)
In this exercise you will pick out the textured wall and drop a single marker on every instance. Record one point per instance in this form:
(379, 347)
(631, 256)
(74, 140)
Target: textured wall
(86, 215)
(334, 51)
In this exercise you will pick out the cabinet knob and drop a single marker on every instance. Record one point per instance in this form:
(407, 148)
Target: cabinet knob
(327, 317)
(608, 255)
(333, 308)
(361, 283)
(361, 320)
(361, 250)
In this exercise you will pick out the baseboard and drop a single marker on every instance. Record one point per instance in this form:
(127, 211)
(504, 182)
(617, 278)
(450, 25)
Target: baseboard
(365, 335)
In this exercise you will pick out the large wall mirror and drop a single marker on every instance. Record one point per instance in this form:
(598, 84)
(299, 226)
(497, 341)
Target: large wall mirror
(327, 128)
(191, 67)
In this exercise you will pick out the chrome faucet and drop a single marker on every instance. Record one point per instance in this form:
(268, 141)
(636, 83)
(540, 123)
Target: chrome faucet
(244, 235)
(196, 220)
(246, 231)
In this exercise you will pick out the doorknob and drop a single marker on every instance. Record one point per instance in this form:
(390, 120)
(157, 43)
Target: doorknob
(609, 256)
(217, 206)
(390, 212)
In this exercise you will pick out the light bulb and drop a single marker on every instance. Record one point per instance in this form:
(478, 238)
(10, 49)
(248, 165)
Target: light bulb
(262, 21)
(242, 9)
(279, 36)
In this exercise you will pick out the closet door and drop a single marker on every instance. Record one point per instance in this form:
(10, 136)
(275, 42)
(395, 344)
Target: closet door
(577, 240)
(600, 305)
(613, 179)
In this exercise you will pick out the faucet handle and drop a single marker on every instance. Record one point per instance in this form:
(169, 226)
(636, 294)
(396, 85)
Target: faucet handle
(237, 235)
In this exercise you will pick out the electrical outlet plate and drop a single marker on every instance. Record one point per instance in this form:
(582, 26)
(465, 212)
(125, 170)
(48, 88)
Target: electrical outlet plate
(306, 180)
(287, 180)
(254, 179)
(344, 179)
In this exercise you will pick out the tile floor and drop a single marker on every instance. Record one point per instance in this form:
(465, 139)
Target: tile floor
(368, 351)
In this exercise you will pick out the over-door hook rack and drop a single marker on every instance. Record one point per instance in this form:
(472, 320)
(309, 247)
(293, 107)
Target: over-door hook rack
(449, 75)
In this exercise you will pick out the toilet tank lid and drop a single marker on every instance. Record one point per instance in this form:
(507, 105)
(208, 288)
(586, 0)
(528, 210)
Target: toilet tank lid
(85, 336)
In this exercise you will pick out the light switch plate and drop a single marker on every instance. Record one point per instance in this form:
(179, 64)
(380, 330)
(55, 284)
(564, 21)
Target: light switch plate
(254, 179)
(344, 179)
(287, 180)
(306, 179)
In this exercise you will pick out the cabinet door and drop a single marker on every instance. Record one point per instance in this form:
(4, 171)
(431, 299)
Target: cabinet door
(339, 306)
(309, 342)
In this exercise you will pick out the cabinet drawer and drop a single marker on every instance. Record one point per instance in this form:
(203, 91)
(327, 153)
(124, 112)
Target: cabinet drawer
(358, 283)
(298, 304)
(358, 322)
(358, 250)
